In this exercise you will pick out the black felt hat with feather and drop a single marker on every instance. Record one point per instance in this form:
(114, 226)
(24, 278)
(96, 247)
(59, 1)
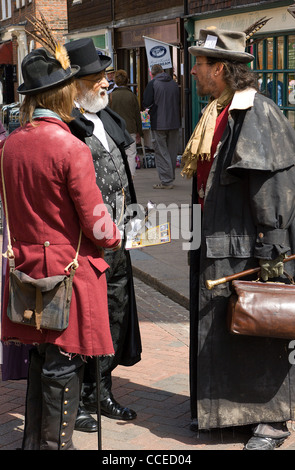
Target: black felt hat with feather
(48, 66)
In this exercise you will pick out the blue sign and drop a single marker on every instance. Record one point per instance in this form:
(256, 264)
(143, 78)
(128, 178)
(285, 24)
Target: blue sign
(158, 51)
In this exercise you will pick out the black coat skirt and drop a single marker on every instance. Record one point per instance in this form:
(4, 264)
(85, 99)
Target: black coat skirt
(248, 214)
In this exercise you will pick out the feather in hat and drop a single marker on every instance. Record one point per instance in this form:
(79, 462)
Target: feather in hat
(43, 34)
(254, 28)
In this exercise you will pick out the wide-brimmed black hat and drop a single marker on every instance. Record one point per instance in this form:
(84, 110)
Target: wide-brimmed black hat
(222, 44)
(82, 52)
(42, 71)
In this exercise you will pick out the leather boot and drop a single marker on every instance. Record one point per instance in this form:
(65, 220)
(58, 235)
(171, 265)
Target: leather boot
(84, 421)
(89, 397)
(33, 414)
(59, 410)
(112, 409)
(109, 406)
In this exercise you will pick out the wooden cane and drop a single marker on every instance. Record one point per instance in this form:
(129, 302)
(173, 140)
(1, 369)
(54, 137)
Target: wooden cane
(232, 277)
(98, 411)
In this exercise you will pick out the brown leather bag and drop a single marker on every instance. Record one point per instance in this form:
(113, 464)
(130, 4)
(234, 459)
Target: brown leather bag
(262, 309)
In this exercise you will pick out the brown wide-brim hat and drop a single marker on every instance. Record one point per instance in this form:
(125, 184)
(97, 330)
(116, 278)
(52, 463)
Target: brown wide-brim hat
(222, 44)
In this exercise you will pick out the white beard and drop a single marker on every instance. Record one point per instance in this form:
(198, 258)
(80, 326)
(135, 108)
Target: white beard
(93, 102)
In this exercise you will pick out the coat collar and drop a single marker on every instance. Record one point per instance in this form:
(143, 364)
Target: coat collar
(114, 125)
(54, 120)
(243, 99)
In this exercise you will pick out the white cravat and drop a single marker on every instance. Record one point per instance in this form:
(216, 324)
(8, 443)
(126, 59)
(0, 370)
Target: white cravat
(99, 130)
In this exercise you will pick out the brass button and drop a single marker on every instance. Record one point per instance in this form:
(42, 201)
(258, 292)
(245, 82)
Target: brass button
(63, 434)
(65, 402)
(63, 444)
(64, 424)
(65, 412)
(66, 389)
(46, 243)
(261, 235)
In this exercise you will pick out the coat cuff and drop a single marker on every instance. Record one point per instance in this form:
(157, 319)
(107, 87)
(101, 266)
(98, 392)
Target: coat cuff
(270, 243)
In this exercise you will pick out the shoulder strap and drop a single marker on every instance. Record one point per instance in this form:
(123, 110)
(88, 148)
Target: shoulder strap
(9, 252)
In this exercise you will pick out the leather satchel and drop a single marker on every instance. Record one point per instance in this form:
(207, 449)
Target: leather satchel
(262, 309)
(43, 303)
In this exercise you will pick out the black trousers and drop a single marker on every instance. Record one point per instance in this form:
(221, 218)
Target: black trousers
(118, 303)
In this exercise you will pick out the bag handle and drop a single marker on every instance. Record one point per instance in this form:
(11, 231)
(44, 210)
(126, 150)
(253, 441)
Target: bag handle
(9, 254)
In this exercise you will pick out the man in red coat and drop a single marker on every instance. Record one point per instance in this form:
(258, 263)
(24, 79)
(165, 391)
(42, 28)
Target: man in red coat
(51, 194)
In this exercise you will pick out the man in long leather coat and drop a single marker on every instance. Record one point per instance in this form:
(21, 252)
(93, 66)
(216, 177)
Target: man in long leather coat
(242, 160)
(104, 132)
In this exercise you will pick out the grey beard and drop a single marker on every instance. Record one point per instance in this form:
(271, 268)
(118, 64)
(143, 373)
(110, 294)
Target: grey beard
(91, 103)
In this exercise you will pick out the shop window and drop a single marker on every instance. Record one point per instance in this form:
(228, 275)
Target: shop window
(6, 9)
(275, 65)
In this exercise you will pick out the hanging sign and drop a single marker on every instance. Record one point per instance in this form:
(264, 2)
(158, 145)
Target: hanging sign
(157, 53)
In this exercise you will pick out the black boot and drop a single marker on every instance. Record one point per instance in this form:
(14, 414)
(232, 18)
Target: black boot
(112, 409)
(33, 414)
(109, 406)
(59, 410)
(84, 421)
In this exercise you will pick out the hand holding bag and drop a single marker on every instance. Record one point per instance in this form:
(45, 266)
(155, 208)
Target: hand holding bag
(41, 303)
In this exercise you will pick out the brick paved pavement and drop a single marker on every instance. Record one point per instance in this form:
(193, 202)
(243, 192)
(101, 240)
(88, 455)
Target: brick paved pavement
(157, 388)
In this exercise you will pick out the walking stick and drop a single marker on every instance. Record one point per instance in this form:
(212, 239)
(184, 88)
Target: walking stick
(98, 411)
(232, 277)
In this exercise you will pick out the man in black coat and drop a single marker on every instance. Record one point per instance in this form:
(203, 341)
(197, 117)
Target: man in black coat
(104, 132)
(242, 158)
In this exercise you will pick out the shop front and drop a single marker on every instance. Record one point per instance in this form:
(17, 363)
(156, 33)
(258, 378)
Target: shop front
(6, 73)
(12, 51)
(130, 51)
(130, 54)
(102, 39)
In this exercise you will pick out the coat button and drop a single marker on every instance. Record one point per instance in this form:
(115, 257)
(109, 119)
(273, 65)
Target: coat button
(46, 243)
(261, 235)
